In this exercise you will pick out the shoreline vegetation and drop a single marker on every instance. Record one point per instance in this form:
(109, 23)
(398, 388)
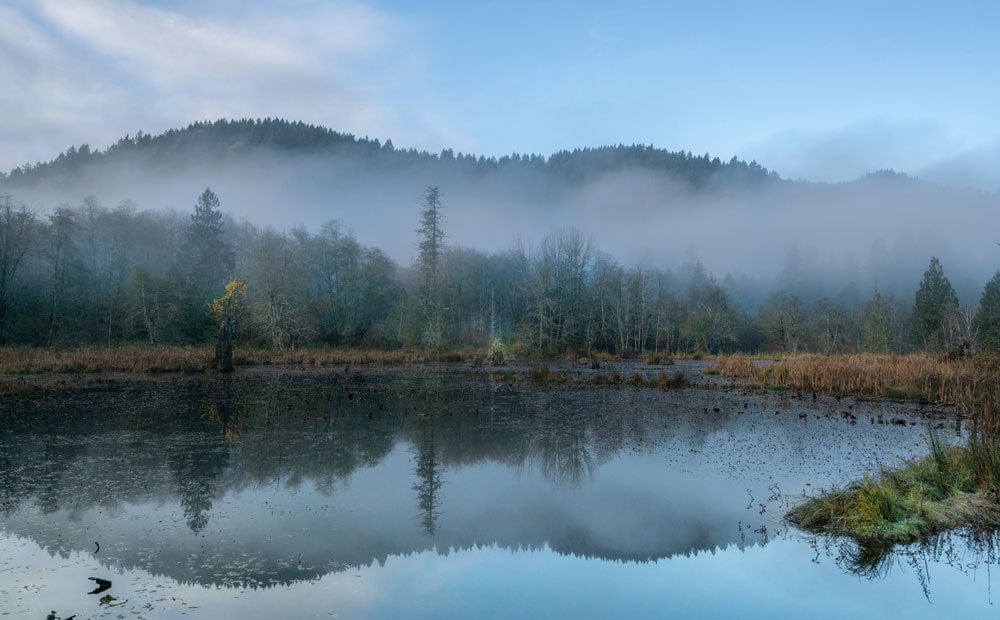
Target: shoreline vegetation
(952, 487)
(149, 359)
(959, 381)
(156, 359)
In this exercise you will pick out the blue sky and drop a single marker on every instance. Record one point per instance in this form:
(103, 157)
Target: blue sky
(814, 89)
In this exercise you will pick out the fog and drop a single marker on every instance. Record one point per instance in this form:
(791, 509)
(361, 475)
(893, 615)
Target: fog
(880, 230)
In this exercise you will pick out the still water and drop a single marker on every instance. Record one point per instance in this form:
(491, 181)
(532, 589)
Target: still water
(435, 492)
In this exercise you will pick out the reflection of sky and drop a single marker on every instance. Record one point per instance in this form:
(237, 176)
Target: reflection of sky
(777, 580)
(543, 511)
(633, 508)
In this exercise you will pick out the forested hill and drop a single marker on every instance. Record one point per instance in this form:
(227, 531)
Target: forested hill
(229, 139)
(639, 203)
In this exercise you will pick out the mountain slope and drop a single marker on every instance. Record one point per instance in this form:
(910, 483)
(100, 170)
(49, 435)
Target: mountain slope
(636, 202)
(232, 139)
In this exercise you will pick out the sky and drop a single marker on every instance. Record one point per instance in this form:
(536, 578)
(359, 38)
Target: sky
(819, 90)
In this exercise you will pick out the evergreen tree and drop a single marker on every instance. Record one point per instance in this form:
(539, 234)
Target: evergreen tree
(988, 315)
(206, 243)
(934, 302)
(429, 265)
(204, 266)
(876, 328)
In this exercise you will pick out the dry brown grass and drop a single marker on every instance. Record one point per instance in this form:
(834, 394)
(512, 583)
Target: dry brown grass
(337, 357)
(27, 360)
(144, 359)
(966, 383)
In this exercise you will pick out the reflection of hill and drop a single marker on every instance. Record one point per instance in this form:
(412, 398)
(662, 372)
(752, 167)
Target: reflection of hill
(263, 479)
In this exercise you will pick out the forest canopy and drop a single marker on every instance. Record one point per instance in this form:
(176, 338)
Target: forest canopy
(93, 274)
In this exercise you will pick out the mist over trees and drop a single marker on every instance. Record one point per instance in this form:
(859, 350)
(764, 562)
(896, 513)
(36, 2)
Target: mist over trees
(638, 203)
(93, 274)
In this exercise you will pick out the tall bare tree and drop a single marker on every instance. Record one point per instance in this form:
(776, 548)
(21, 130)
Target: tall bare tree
(16, 228)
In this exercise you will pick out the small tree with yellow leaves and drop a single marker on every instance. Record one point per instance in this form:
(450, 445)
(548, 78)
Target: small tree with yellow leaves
(226, 310)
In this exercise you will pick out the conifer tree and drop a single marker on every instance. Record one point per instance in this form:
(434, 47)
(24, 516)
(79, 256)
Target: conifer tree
(876, 326)
(429, 264)
(934, 302)
(988, 316)
(205, 264)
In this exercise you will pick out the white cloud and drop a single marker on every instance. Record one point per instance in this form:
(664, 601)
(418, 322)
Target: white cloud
(846, 153)
(976, 167)
(90, 71)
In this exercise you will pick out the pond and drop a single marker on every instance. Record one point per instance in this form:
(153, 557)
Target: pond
(438, 492)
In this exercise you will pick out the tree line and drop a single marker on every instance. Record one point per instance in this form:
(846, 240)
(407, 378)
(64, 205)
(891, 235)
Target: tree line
(90, 274)
(222, 139)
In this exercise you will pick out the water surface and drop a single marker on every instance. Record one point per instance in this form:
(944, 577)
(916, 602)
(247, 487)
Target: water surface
(439, 493)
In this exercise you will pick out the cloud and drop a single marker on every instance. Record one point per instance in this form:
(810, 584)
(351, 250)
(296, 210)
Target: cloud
(90, 71)
(977, 167)
(848, 152)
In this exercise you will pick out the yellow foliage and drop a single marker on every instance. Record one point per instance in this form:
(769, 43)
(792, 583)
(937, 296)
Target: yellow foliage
(230, 304)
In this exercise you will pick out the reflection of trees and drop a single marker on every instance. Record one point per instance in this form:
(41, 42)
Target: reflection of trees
(196, 474)
(213, 435)
(429, 468)
(199, 462)
(428, 472)
(566, 456)
(188, 442)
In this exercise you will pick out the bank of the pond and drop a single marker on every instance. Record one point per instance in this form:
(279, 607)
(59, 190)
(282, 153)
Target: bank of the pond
(152, 359)
(169, 358)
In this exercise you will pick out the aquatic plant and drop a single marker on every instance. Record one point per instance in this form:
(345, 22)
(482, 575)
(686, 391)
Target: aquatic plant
(657, 359)
(496, 353)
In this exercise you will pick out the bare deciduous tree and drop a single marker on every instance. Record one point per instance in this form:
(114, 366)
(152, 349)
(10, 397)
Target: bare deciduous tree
(16, 229)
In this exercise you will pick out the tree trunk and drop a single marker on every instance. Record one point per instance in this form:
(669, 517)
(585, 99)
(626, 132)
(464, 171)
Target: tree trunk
(224, 347)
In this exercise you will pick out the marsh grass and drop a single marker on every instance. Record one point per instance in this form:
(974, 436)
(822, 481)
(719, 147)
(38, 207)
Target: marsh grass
(928, 495)
(658, 359)
(146, 359)
(962, 382)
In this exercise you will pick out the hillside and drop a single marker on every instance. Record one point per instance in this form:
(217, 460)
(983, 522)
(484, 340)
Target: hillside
(232, 139)
(637, 202)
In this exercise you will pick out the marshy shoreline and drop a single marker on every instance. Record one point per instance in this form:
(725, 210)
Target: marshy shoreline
(952, 487)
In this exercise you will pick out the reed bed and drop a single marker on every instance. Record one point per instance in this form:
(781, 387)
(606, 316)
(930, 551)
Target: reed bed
(146, 359)
(962, 382)
(27, 360)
